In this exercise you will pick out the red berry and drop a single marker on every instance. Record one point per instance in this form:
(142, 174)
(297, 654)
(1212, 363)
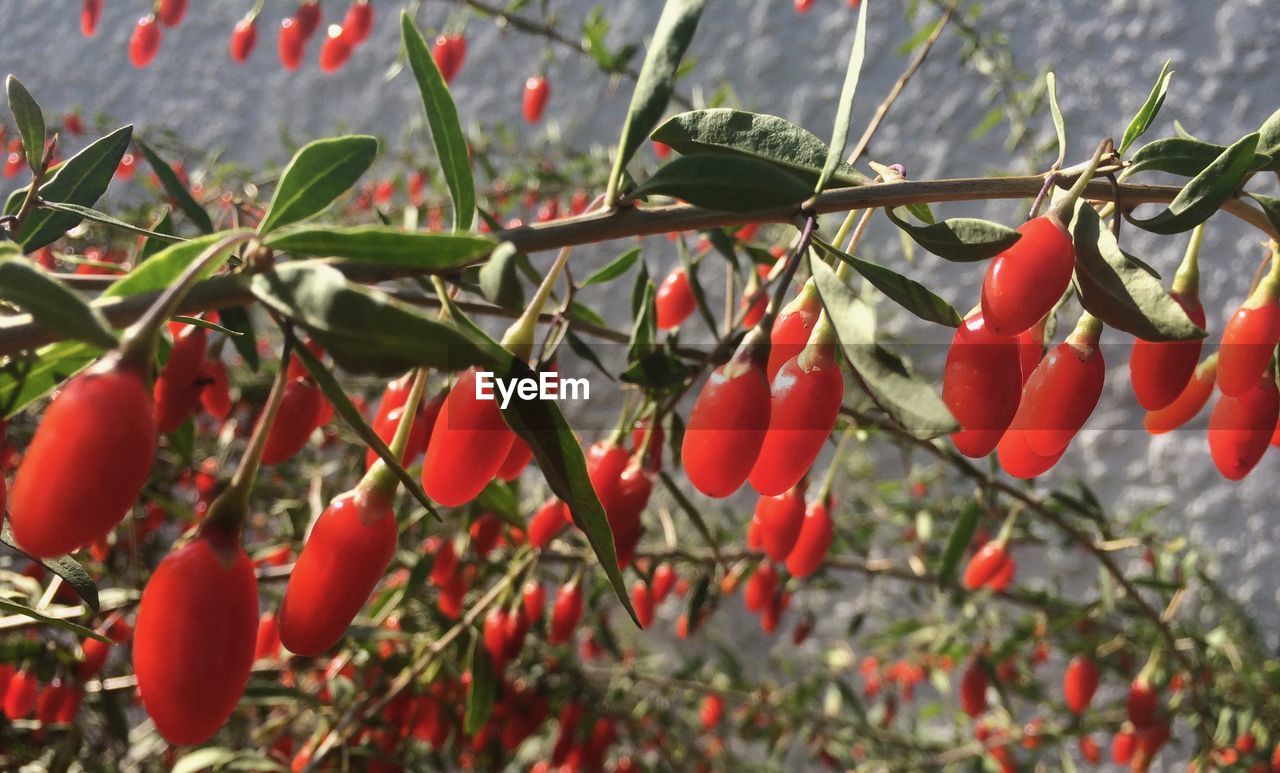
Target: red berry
(495, 636)
(307, 18)
(244, 36)
(87, 462)
(124, 170)
(419, 434)
(1122, 747)
(805, 403)
(711, 712)
(1248, 340)
(1160, 371)
(760, 588)
(1089, 750)
(1142, 703)
(779, 520)
(517, 459)
(973, 689)
(674, 301)
(1025, 281)
(536, 92)
(642, 603)
(177, 388)
(301, 410)
(215, 394)
(290, 44)
(793, 327)
(196, 630)
(754, 300)
(468, 444)
(95, 656)
(1079, 683)
(803, 6)
(986, 565)
(566, 613)
(170, 12)
(1241, 426)
(1188, 403)
(20, 696)
(727, 426)
(533, 599)
(664, 579)
(1061, 394)
(641, 440)
(981, 385)
(267, 645)
(1017, 458)
(1031, 349)
(346, 554)
(449, 52)
(1147, 744)
(145, 41)
(661, 149)
(445, 564)
(335, 52)
(816, 536)
(90, 13)
(49, 702)
(547, 522)
(485, 530)
(358, 22)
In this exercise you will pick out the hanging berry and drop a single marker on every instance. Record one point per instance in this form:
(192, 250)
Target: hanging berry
(981, 385)
(244, 36)
(674, 301)
(1079, 683)
(1160, 371)
(145, 41)
(536, 92)
(1063, 391)
(728, 423)
(1251, 335)
(90, 14)
(170, 12)
(1241, 426)
(816, 535)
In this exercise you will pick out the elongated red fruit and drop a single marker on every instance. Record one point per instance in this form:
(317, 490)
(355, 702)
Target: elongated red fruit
(90, 13)
(177, 388)
(1079, 683)
(145, 41)
(674, 301)
(566, 613)
(1031, 348)
(1240, 428)
(1017, 458)
(793, 327)
(517, 459)
(301, 409)
(342, 561)
(215, 392)
(664, 579)
(267, 644)
(87, 462)
(419, 434)
(20, 696)
(803, 408)
(1061, 394)
(1189, 403)
(171, 12)
(468, 445)
(816, 536)
(981, 385)
(727, 426)
(244, 36)
(711, 712)
(547, 522)
(290, 44)
(973, 689)
(358, 22)
(308, 18)
(642, 603)
(335, 52)
(1025, 281)
(1142, 703)
(780, 519)
(1159, 371)
(760, 587)
(536, 92)
(196, 630)
(986, 565)
(533, 601)
(444, 54)
(1248, 341)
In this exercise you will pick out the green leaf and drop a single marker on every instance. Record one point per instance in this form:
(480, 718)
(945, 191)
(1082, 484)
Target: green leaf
(754, 135)
(101, 217)
(245, 341)
(342, 404)
(383, 245)
(1205, 193)
(726, 183)
(1147, 113)
(1182, 156)
(174, 187)
(616, 268)
(676, 26)
(500, 278)
(844, 109)
(50, 303)
(961, 536)
(163, 230)
(907, 293)
(30, 121)
(1118, 291)
(1270, 207)
(81, 179)
(319, 173)
(364, 330)
(1059, 125)
(961, 239)
(162, 268)
(906, 398)
(483, 690)
(446, 130)
(1269, 141)
(65, 567)
(15, 608)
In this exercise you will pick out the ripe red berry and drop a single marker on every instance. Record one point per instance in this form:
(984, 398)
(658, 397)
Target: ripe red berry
(496, 628)
(533, 600)
(981, 385)
(1122, 746)
(517, 459)
(1061, 394)
(674, 301)
(196, 630)
(711, 712)
(290, 44)
(468, 444)
(301, 410)
(90, 13)
(1160, 371)
(803, 6)
(664, 580)
(650, 442)
(1079, 683)
(973, 688)
(803, 408)
(566, 613)
(215, 394)
(485, 531)
(986, 565)
(661, 149)
(1248, 340)
(145, 41)
(816, 535)
(761, 586)
(170, 12)
(335, 52)
(754, 299)
(1017, 458)
(20, 696)
(358, 22)
(445, 564)
(1025, 281)
(177, 388)
(1142, 703)
(547, 522)
(343, 559)
(449, 51)
(87, 462)
(307, 18)
(419, 434)
(793, 327)
(1148, 741)
(727, 426)
(642, 603)
(536, 92)
(49, 702)
(1189, 403)
(1241, 426)
(267, 645)
(779, 520)
(1089, 750)
(244, 36)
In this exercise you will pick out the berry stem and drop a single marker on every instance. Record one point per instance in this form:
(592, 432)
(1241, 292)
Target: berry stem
(1267, 288)
(1186, 282)
(1086, 333)
(380, 479)
(765, 325)
(824, 493)
(519, 337)
(1062, 209)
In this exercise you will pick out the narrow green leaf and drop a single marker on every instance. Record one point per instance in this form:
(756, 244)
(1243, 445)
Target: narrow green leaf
(15, 608)
(844, 110)
(163, 229)
(483, 690)
(446, 130)
(101, 217)
(206, 324)
(1269, 141)
(499, 278)
(174, 187)
(671, 38)
(961, 536)
(50, 303)
(1147, 113)
(755, 135)
(65, 567)
(584, 350)
(1119, 292)
(1059, 125)
(906, 292)
(906, 398)
(1270, 207)
(726, 183)
(1205, 193)
(246, 340)
(616, 268)
(81, 179)
(960, 239)
(383, 245)
(1182, 156)
(319, 173)
(30, 121)
(162, 268)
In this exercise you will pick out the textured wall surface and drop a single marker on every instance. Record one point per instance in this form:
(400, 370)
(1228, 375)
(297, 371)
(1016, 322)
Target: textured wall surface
(1106, 54)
